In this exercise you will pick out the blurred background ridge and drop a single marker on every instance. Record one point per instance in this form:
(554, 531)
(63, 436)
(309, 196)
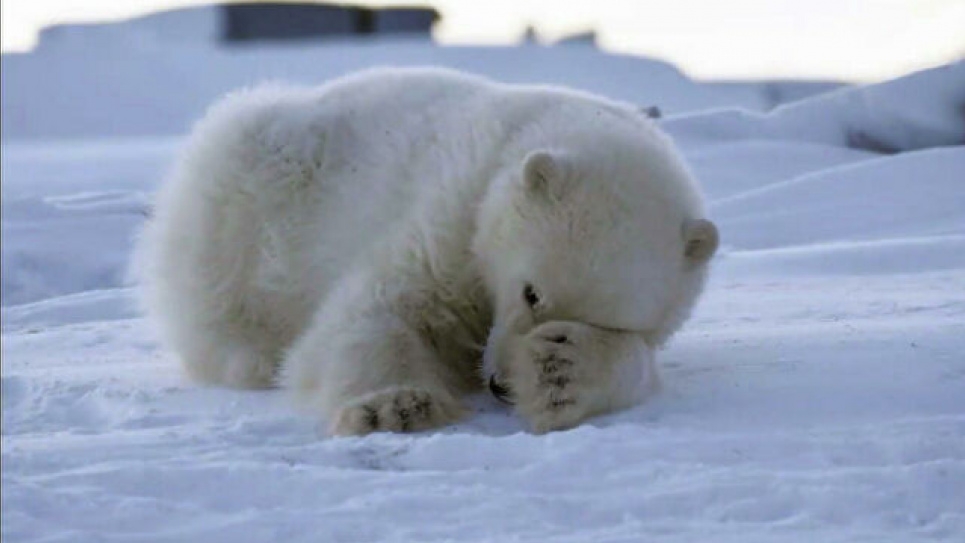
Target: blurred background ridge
(850, 40)
(232, 23)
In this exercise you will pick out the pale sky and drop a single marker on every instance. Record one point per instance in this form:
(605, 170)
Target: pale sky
(862, 40)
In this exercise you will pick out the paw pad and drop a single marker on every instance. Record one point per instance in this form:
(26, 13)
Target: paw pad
(394, 410)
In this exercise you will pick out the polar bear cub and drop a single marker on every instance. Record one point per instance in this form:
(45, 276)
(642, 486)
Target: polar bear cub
(389, 242)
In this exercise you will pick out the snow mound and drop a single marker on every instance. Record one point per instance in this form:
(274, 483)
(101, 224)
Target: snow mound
(838, 203)
(924, 110)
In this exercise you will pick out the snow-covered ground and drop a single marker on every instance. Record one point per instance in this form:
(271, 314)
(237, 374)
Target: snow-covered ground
(818, 394)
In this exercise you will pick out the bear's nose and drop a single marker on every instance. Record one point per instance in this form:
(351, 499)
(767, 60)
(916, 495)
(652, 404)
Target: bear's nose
(500, 391)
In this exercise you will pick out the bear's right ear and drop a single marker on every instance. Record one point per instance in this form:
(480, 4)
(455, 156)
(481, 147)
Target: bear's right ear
(542, 173)
(700, 240)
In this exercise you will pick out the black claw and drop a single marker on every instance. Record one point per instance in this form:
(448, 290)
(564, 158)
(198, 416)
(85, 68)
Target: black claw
(371, 417)
(405, 420)
(398, 407)
(500, 391)
(420, 409)
(558, 381)
(553, 363)
(560, 403)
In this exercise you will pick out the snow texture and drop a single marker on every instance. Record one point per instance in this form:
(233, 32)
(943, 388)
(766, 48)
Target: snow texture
(161, 88)
(818, 394)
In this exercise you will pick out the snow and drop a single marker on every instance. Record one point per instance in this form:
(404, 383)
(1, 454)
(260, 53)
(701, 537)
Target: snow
(915, 112)
(69, 210)
(133, 79)
(818, 394)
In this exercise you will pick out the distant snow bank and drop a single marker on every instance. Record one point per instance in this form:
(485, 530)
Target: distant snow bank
(914, 194)
(141, 86)
(925, 109)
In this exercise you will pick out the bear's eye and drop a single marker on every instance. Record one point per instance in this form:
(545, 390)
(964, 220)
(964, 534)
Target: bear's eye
(530, 296)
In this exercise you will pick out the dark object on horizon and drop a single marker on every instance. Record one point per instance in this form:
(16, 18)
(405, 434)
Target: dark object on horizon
(239, 23)
(283, 21)
(587, 37)
(652, 111)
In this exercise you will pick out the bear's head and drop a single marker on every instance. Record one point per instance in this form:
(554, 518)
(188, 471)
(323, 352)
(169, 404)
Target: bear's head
(610, 234)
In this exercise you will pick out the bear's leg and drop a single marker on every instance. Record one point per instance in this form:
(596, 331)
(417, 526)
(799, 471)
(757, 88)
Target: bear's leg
(222, 354)
(364, 365)
(567, 372)
(205, 309)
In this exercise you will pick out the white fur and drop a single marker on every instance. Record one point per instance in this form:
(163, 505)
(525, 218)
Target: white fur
(372, 237)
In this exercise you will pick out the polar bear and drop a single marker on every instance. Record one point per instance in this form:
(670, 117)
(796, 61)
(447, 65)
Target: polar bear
(392, 241)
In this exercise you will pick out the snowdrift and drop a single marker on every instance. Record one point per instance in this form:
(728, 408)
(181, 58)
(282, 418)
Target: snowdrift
(923, 110)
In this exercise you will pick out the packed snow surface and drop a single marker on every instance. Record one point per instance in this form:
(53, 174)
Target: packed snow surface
(818, 394)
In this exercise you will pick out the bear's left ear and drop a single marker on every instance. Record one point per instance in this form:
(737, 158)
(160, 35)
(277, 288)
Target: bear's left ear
(542, 173)
(700, 240)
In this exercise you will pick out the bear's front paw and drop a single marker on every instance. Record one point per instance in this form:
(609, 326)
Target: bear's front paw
(397, 409)
(555, 388)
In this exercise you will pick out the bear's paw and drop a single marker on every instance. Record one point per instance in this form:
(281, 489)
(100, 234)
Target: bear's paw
(396, 409)
(556, 394)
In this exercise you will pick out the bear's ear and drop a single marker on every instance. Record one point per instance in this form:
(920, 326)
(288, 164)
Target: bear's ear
(542, 173)
(700, 239)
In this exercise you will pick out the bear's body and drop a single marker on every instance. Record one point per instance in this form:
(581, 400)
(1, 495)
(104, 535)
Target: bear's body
(377, 238)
